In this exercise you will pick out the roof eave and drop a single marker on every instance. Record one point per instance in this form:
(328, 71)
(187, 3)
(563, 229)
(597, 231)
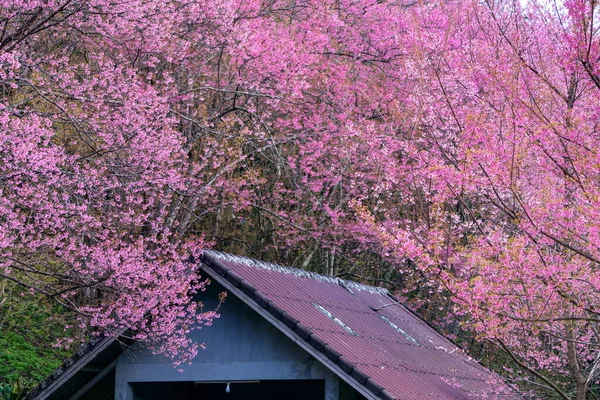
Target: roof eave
(71, 367)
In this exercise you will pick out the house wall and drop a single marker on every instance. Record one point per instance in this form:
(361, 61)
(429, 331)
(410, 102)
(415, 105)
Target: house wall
(240, 346)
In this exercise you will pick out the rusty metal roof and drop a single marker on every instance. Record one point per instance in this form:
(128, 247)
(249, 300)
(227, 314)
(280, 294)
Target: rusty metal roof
(372, 337)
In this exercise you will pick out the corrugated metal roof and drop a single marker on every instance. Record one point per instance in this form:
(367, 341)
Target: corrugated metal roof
(399, 353)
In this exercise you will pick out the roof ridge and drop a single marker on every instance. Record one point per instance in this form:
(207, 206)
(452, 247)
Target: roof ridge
(250, 262)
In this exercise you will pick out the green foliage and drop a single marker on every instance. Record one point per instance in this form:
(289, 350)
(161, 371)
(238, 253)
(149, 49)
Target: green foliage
(20, 359)
(15, 391)
(29, 325)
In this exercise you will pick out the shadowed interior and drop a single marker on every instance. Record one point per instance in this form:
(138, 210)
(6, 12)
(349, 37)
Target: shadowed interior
(267, 390)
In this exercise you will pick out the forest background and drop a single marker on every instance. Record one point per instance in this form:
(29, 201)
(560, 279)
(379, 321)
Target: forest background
(447, 150)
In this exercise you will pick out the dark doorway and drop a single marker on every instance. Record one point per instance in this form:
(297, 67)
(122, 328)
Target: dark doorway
(259, 390)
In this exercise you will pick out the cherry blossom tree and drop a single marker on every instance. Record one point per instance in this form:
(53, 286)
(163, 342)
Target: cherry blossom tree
(495, 195)
(93, 163)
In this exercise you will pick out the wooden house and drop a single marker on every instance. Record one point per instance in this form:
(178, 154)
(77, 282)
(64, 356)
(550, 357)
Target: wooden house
(285, 334)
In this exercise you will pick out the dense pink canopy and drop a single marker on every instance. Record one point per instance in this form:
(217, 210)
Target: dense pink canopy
(457, 139)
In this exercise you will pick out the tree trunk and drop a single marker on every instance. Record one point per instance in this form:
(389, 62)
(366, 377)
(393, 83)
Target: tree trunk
(581, 384)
